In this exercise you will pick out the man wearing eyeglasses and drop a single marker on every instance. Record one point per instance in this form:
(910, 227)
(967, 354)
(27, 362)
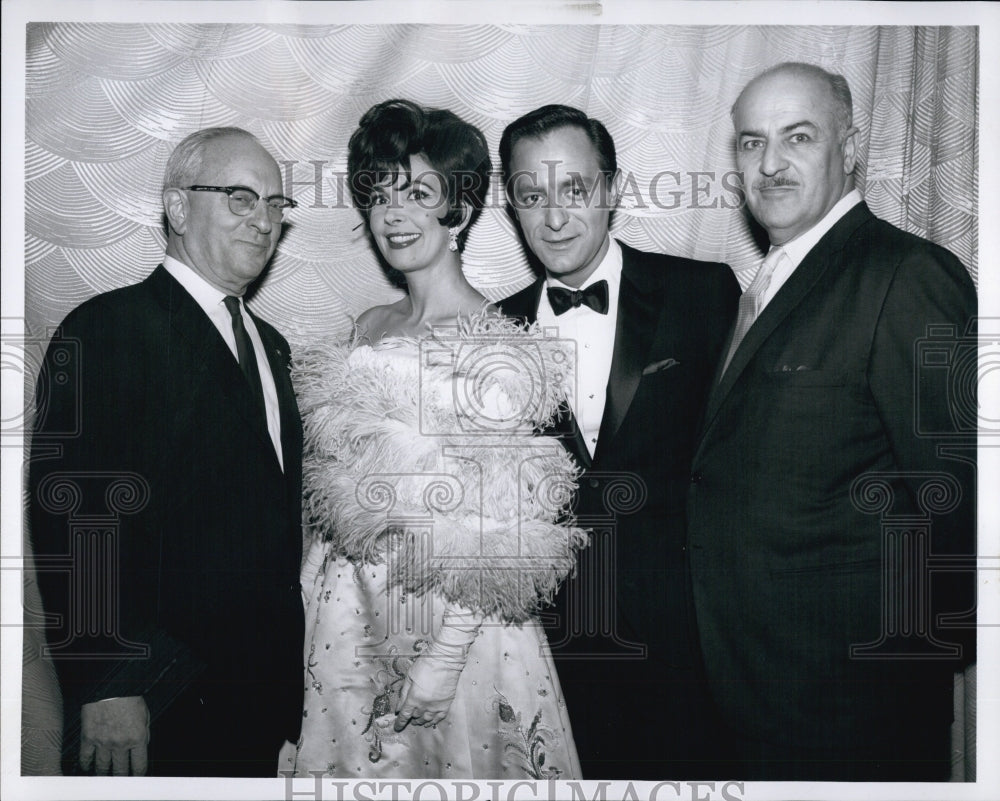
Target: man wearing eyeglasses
(179, 622)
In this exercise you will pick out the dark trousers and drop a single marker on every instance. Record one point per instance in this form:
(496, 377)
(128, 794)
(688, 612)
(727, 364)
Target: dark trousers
(643, 720)
(916, 753)
(213, 734)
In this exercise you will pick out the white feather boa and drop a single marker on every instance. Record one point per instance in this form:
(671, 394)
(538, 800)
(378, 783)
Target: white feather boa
(421, 453)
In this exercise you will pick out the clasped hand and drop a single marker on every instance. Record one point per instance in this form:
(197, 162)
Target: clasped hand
(428, 690)
(432, 681)
(114, 734)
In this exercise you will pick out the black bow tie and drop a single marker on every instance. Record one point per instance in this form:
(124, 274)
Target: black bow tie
(595, 296)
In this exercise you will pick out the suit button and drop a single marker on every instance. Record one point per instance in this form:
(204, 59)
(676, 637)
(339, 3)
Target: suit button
(594, 483)
(696, 478)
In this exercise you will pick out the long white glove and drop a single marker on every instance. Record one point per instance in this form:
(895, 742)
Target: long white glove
(310, 568)
(432, 681)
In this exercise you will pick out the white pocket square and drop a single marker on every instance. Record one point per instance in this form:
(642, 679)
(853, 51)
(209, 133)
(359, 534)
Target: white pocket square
(655, 367)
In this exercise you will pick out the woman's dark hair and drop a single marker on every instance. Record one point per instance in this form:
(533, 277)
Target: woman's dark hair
(390, 133)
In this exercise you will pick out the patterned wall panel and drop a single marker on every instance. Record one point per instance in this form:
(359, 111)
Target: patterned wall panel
(106, 104)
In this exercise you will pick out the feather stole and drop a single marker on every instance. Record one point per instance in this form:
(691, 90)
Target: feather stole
(425, 454)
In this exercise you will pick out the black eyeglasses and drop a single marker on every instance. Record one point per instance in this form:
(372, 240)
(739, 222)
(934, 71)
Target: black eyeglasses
(243, 200)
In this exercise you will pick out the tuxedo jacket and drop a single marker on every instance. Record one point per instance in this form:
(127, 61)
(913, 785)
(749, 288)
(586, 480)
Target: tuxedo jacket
(673, 314)
(817, 488)
(168, 538)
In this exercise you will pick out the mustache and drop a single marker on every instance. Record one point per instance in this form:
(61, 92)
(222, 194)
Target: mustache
(771, 183)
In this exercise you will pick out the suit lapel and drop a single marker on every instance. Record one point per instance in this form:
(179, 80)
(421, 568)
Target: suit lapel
(291, 423)
(211, 359)
(640, 307)
(523, 305)
(791, 294)
(566, 426)
(571, 436)
(640, 304)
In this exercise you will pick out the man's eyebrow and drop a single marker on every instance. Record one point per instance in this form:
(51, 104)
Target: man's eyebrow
(799, 124)
(525, 182)
(783, 130)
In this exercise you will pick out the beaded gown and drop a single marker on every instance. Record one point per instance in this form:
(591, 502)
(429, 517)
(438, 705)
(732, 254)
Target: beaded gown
(427, 488)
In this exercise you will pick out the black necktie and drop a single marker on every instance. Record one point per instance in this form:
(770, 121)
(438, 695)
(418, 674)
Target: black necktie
(595, 296)
(245, 351)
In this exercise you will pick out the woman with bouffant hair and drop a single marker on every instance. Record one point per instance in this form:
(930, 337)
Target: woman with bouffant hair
(390, 133)
(419, 178)
(439, 520)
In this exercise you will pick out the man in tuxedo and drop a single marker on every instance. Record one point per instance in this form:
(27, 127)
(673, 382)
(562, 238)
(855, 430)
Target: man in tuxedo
(165, 493)
(648, 330)
(831, 506)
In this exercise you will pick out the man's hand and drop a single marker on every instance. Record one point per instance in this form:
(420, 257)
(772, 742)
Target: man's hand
(113, 734)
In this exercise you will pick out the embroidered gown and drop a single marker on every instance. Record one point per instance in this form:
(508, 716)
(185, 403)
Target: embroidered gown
(427, 489)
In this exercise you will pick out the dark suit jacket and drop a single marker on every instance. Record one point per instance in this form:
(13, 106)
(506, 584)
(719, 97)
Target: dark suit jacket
(147, 446)
(673, 314)
(788, 548)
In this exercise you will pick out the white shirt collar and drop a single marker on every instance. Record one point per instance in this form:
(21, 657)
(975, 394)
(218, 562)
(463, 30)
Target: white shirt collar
(210, 300)
(205, 295)
(797, 249)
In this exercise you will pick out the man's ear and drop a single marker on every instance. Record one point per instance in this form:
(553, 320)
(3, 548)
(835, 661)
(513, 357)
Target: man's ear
(175, 207)
(849, 149)
(615, 189)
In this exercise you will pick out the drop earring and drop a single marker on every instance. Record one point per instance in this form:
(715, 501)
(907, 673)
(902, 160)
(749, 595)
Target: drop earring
(452, 239)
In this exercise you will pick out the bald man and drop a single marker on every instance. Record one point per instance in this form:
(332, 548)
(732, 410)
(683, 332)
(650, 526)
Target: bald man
(820, 485)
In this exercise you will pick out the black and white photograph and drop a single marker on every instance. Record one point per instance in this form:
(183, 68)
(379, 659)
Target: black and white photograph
(500, 401)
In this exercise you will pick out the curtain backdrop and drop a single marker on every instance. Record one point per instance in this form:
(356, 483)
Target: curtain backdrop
(105, 105)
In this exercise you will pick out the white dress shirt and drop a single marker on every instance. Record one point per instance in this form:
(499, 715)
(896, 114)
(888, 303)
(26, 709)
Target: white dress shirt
(797, 249)
(211, 301)
(594, 335)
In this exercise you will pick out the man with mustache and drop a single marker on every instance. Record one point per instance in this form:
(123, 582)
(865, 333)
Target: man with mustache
(166, 493)
(833, 461)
